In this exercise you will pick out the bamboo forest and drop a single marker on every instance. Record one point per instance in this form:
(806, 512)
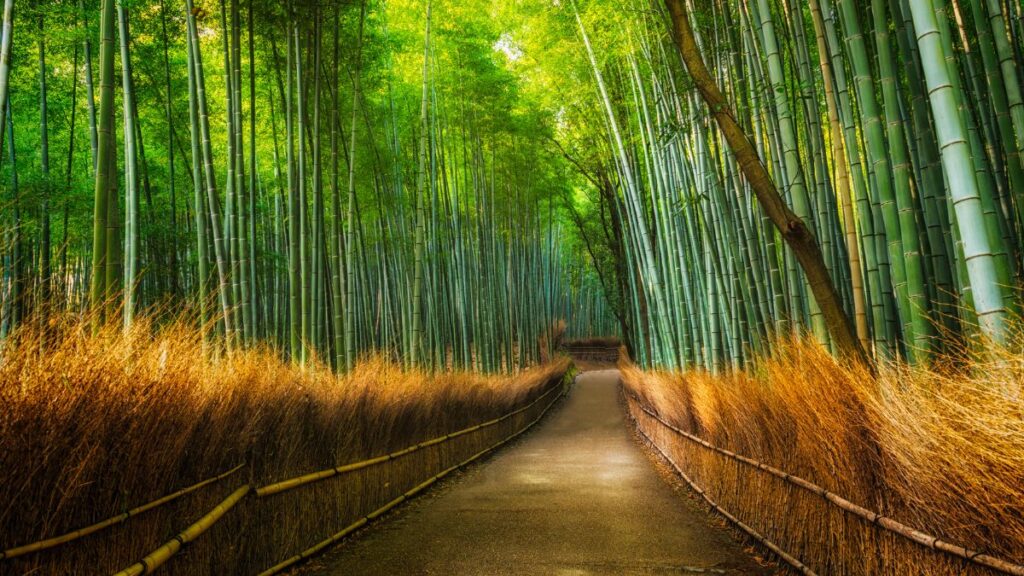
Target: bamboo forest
(626, 286)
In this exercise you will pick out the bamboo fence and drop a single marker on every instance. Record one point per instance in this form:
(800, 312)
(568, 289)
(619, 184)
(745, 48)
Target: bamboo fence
(248, 541)
(323, 544)
(833, 560)
(112, 521)
(298, 481)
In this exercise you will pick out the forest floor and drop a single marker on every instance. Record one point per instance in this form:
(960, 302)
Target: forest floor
(579, 495)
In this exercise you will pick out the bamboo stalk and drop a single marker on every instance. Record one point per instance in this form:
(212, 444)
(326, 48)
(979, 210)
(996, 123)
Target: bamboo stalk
(81, 532)
(158, 557)
(338, 536)
(298, 481)
(894, 526)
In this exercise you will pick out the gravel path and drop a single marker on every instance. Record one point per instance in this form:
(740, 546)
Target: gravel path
(576, 496)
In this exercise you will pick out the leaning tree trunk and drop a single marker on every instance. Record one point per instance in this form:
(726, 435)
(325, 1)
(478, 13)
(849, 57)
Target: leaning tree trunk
(794, 231)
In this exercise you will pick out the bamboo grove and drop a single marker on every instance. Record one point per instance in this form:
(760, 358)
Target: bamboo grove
(892, 128)
(445, 182)
(332, 178)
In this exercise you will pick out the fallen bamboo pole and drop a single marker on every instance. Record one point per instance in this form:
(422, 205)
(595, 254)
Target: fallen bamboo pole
(81, 532)
(296, 482)
(157, 557)
(337, 537)
(894, 526)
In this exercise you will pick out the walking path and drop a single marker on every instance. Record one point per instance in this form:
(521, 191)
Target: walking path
(576, 496)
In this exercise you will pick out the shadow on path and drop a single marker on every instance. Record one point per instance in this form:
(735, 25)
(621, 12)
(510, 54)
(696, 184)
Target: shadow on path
(576, 496)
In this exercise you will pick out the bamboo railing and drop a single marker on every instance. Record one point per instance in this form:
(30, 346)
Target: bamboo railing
(592, 352)
(157, 557)
(333, 539)
(112, 521)
(298, 481)
(166, 551)
(786, 556)
(872, 518)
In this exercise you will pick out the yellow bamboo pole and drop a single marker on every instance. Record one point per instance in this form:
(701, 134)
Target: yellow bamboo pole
(894, 526)
(157, 557)
(81, 532)
(292, 483)
(337, 537)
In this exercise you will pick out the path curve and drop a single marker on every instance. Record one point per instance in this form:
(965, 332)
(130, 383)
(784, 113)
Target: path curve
(576, 496)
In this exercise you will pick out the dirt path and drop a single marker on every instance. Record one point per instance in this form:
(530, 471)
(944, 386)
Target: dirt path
(576, 496)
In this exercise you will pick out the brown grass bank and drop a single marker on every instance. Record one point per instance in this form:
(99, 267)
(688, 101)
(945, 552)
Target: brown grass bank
(97, 425)
(941, 451)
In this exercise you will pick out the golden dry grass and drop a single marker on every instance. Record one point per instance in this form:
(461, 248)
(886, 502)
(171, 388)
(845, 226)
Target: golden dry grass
(939, 450)
(96, 424)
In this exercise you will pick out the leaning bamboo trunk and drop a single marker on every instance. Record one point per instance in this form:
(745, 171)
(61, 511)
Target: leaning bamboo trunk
(220, 255)
(793, 230)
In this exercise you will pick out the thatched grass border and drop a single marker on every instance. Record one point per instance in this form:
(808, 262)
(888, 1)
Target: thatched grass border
(752, 497)
(335, 538)
(259, 529)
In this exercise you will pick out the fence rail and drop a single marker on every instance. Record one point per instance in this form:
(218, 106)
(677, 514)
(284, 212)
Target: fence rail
(870, 517)
(112, 521)
(158, 557)
(786, 556)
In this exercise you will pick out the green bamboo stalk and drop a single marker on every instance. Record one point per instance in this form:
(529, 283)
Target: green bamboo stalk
(131, 231)
(213, 201)
(417, 332)
(100, 249)
(959, 171)
(202, 257)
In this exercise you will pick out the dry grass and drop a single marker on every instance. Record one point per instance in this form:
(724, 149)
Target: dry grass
(98, 424)
(940, 450)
